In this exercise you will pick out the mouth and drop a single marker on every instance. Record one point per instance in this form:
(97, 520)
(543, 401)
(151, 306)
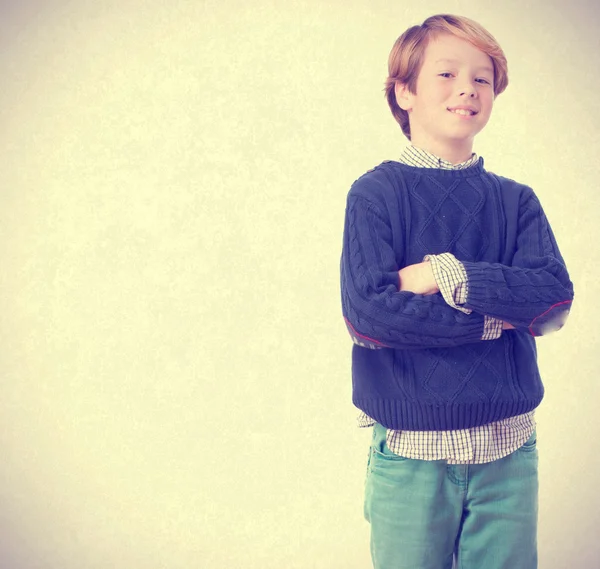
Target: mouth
(463, 112)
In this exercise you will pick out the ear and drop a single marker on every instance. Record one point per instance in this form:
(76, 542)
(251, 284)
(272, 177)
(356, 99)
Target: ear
(403, 96)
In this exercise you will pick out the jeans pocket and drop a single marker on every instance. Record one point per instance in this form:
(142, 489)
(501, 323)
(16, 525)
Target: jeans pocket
(379, 447)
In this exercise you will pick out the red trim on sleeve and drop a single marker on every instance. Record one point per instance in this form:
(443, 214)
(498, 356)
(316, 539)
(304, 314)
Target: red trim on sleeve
(544, 314)
(363, 336)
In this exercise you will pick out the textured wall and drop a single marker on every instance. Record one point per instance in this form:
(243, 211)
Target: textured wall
(175, 387)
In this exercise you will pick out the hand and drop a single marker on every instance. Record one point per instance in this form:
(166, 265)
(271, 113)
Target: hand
(418, 279)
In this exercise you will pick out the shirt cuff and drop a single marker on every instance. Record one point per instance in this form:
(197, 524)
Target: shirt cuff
(460, 293)
(492, 328)
(451, 278)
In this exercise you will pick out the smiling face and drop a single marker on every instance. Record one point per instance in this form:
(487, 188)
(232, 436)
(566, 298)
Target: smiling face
(454, 75)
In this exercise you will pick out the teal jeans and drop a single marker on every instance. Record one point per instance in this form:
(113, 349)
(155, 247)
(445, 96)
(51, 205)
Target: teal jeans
(434, 515)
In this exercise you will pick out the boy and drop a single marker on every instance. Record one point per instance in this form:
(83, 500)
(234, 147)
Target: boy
(448, 272)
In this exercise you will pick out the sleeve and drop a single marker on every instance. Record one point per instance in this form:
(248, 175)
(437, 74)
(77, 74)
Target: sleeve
(451, 278)
(377, 315)
(535, 292)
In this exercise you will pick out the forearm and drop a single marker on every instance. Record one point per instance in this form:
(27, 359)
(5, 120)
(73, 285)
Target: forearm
(404, 320)
(535, 298)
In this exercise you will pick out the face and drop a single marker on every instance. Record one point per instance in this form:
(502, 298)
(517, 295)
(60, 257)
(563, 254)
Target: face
(454, 74)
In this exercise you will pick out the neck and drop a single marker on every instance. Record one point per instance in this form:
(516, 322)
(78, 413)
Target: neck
(454, 152)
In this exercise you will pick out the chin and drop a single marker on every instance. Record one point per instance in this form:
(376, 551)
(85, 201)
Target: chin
(461, 136)
(465, 134)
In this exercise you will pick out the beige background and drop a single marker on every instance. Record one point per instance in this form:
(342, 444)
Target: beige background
(175, 371)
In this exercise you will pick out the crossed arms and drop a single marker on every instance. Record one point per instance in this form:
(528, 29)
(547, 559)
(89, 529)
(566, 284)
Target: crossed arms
(419, 278)
(388, 306)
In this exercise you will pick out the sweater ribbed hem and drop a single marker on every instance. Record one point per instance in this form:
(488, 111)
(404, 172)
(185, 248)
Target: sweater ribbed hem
(403, 415)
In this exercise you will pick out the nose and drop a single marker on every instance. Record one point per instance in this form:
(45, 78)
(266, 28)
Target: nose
(468, 91)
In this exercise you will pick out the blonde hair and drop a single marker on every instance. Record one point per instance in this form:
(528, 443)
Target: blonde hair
(406, 57)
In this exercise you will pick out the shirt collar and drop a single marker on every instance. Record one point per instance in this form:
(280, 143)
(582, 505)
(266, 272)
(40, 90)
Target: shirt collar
(413, 156)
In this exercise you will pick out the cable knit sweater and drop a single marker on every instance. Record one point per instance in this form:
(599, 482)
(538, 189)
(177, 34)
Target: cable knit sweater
(417, 363)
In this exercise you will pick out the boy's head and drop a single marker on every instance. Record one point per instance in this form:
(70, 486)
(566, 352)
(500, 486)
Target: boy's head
(447, 62)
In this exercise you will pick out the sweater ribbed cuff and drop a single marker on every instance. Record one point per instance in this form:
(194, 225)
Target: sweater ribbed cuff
(481, 283)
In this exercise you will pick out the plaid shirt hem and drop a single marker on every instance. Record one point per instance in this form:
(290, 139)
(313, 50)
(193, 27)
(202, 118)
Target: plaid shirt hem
(477, 445)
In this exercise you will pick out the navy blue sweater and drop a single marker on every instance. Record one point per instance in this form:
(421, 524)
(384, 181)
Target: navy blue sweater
(417, 363)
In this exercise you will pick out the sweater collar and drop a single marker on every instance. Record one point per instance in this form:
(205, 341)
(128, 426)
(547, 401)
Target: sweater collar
(413, 156)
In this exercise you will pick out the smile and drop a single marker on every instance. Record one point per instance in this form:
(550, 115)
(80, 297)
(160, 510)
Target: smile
(463, 112)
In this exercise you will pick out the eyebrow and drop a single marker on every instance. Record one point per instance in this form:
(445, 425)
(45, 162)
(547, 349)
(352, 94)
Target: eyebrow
(481, 68)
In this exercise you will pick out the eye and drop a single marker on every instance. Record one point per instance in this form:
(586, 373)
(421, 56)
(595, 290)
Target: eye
(445, 74)
(484, 81)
